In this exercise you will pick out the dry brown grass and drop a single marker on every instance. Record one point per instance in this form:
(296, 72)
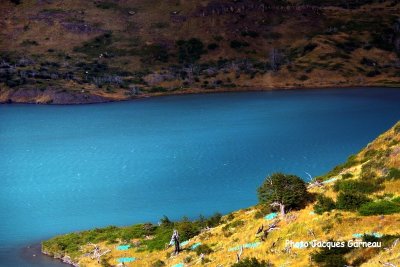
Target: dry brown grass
(297, 226)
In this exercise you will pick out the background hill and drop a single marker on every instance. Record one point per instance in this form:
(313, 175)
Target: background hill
(358, 201)
(93, 51)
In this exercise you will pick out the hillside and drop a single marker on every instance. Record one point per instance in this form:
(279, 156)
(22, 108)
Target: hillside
(358, 201)
(66, 52)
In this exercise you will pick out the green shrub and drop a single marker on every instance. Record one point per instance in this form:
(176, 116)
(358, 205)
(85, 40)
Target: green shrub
(379, 207)
(252, 262)
(396, 200)
(230, 217)
(106, 5)
(166, 222)
(203, 249)
(161, 236)
(393, 173)
(187, 259)
(324, 204)
(364, 187)
(187, 229)
(95, 47)
(347, 175)
(396, 128)
(333, 257)
(158, 263)
(262, 211)
(233, 224)
(214, 220)
(155, 52)
(190, 51)
(350, 200)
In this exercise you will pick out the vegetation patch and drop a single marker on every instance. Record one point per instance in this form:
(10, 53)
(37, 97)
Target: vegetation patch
(351, 201)
(393, 173)
(365, 187)
(189, 51)
(381, 207)
(203, 249)
(331, 257)
(324, 204)
(252, 262)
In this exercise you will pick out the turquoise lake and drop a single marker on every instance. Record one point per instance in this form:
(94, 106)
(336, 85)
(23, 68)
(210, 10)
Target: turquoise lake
(68, 168)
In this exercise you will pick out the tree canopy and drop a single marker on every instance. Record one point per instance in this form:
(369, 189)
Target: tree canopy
(287, 190)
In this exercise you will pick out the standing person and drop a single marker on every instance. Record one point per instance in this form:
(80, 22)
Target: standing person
(175, 241)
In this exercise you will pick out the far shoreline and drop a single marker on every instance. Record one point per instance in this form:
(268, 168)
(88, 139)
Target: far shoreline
(195, 91)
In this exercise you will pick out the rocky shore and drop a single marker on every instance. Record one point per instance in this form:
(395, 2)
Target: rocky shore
(49, 96)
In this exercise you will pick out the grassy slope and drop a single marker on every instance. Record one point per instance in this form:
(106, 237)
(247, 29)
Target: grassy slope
(378, 157)
(319, 47)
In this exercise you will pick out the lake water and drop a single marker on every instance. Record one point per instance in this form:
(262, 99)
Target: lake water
(68, 168)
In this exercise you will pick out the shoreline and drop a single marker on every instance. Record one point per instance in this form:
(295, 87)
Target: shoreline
(193, 91)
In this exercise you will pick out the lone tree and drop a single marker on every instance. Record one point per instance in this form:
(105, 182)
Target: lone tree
(189, 51)
(283, 191)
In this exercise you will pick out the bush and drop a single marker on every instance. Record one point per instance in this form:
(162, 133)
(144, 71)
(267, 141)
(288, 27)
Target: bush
(252, 34)
(165, 222)
(373, 73)
(155, 52)
(396, 128)
(187, 229)
(203, 249)
(365, 187)
(347, 175)
(303, 78)
(190, 51)
(381, 207)
(233, 224)
(214, 220)
(212, 46)
(187, 259)
(96, 46)
(252, 262)
(393, 173)
(288, 190)
(350, 200)
(331, 257)
(235, 44)
(106, 5)
(158, 263)
(324, 204)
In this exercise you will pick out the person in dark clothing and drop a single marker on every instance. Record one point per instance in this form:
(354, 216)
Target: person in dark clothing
(175, 241)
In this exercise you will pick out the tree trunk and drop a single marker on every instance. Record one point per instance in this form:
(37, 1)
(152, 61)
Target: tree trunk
(282, 208)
